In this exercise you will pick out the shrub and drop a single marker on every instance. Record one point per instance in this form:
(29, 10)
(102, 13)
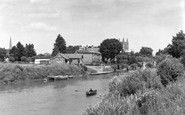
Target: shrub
(23, 58)
(183, 60)
(149, 65)
(169, 70)
(16, 72)
(11, 59)
(133, 66)
(131, 83)
(124, 65)
(166, 101)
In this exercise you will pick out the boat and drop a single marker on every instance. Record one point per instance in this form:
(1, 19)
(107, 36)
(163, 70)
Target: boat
(91, 92)
(58, 77)
(101, 73)
(70, 77)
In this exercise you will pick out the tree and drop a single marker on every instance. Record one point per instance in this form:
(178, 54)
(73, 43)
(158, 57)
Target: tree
(20, 51)
(146, 51)
(29, 50)
(59, 46)
(72, 49)
(13, 53)
(161, 52)
(178, 44)
(109, 48)
(3, 53)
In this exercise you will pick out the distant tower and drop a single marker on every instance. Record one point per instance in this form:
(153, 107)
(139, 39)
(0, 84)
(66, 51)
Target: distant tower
(10, 44)
(125, 45)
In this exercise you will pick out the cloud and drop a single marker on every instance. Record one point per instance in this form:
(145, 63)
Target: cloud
(39, 1)
(41, 26)
(44, 15)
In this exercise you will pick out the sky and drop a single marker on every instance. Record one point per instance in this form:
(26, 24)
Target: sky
(145, 23)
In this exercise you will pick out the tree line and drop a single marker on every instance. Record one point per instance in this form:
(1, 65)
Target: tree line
(27, 53)
(111, 50)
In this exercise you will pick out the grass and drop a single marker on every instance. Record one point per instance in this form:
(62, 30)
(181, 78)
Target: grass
(141, 93)
(10, 72)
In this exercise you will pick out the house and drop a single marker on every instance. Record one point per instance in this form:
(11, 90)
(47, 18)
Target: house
(67, 58)
(42, 61)
(90, 55)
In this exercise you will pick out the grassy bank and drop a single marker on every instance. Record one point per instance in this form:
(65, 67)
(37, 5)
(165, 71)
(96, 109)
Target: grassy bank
(141, 93)
(10, 72)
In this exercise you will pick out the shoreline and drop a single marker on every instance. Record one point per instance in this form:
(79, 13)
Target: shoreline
(13, 73)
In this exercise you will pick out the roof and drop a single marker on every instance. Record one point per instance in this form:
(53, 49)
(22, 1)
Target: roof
(87, 52)
(41, 59)
(68, 56)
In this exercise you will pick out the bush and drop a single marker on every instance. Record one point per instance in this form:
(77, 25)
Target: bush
(131, 83)
(11, 59)
(183, 60)
(169, 70)
(164, 101)
(18, 72)
(149, 65)
(24, 59)
(134, 66)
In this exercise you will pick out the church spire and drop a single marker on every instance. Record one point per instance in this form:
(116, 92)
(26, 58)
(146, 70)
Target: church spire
(10, 44)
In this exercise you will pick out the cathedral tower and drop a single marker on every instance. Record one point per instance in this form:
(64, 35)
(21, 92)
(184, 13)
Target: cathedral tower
(125, 45)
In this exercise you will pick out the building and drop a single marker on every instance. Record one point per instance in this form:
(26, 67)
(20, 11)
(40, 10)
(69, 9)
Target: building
(67, 58)
(91, 55)
(42, 61)
(125, 45)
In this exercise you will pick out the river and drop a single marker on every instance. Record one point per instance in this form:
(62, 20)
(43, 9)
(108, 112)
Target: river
(65, 97)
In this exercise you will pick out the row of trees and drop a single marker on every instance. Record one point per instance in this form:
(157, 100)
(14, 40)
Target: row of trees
(112, 49)
(176, 49)
(21, 53)
(28, 53)
(60, 46)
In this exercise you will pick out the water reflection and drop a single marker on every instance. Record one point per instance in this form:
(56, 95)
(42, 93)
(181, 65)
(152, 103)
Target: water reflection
(58, 97)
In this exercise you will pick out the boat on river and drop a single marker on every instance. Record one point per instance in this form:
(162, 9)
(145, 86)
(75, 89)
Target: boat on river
(58, 77)
(91, 92)
(101, 73)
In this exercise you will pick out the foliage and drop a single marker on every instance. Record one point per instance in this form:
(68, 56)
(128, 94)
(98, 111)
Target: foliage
(160, 58)
(3, 53)
(10, 72)
(20, 51)
(149, 100)
(178, 45)
(169, 70)
(149, 65)
(161, 52)
(146, 51)
(183, 60)
(133, 66)
(133, 82)
(109, 48)
(128, 58)
(59, 46)
(11, 59)
(29, 50)
(72, 49)
(13, 53)
(24, 58)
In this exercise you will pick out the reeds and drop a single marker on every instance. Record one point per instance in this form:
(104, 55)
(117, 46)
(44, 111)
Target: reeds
(17, 72)
(141, 93)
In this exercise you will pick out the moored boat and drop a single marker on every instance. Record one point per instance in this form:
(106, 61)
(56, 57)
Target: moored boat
(58, 77)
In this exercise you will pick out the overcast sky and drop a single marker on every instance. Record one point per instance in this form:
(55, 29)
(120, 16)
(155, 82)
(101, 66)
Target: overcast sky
(148, 23)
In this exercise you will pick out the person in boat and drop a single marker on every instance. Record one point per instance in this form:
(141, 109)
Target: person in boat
(90, 90)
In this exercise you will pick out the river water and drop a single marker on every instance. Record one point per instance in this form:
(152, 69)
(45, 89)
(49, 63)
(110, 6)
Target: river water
(52, 98)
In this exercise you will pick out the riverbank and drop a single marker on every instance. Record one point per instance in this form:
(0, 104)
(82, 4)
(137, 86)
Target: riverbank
(10, 72)
(140, 92)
